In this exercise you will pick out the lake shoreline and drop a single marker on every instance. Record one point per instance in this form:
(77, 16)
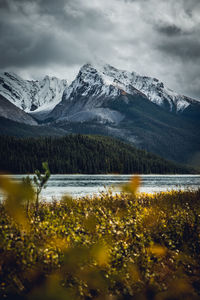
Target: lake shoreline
(84, 184)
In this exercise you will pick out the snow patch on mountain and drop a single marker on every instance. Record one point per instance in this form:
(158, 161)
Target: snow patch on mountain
(101, 115)
(32, 95)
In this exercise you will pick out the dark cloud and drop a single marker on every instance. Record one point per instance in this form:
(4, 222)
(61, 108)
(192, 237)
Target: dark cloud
(53, 39)
(169, 30)
(156, 38)
(183, 49)
(44, 50)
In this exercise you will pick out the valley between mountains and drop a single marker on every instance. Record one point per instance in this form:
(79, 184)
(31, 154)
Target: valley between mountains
(103, 100)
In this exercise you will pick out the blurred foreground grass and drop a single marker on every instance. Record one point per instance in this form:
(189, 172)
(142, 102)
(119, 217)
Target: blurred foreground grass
(124, 246)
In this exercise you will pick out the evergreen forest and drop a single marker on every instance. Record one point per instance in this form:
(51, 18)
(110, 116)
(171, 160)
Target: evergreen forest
(83, 154)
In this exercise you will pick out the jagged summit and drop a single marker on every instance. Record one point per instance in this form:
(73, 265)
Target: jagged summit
(104, 80)
(90, 83)
(30, 95)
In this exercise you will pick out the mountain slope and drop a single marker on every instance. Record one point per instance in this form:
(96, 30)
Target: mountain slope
(147, 126)
(32, 95)
(12, 112)
(12, 128)
(153, 88)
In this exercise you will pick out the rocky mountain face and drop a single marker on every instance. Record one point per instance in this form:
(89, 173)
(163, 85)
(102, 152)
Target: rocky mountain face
(94, 89)
(12, 112)
(32, 95)
(152, 88)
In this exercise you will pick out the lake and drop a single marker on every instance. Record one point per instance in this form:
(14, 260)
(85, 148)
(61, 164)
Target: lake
(81, 185)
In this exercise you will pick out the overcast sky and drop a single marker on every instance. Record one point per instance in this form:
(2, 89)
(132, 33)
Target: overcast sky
(159, 38)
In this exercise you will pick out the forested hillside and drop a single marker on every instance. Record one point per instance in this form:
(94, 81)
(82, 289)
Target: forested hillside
(80, 154)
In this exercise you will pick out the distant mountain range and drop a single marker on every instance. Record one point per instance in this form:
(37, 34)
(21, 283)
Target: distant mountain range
(107, 101)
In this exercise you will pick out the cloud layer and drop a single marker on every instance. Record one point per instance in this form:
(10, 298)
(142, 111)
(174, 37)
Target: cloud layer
(152, 37)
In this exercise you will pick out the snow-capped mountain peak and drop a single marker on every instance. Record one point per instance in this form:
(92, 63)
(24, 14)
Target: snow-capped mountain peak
(94, 84)
(102, 81)
(30, 95)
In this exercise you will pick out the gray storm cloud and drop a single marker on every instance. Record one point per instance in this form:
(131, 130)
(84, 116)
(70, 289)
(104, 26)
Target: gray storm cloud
(153, 37)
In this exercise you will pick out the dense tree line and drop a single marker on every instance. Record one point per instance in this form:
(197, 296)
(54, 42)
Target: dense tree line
(80, 154)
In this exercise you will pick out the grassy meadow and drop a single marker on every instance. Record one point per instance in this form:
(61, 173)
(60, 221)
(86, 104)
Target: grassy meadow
(113, 246)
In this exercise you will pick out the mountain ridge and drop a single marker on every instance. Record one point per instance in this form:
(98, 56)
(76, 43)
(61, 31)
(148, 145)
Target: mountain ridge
(93, 88)
(130, 82)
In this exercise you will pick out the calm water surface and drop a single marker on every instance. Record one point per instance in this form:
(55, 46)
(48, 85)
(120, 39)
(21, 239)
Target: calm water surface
(80, 185)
